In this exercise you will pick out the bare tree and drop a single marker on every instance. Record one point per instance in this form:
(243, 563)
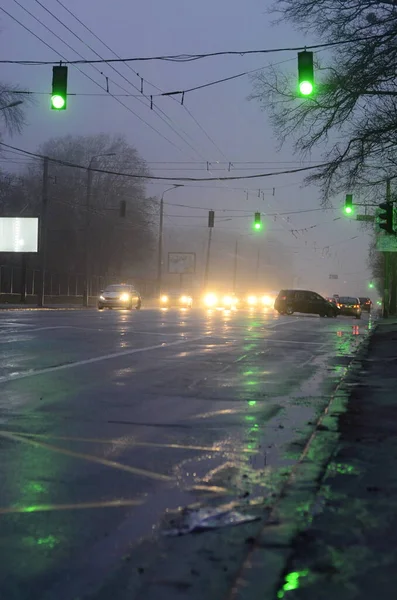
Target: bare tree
(12, 115)
(352, 115)
(117, 245)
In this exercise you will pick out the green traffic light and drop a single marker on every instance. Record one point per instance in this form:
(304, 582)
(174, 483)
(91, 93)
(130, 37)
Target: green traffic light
(306, 88)
(348, 210)
(371, 285)
(258, 226)
(57, 102)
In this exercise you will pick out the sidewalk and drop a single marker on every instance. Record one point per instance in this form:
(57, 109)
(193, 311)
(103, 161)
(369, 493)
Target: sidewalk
(349, 548)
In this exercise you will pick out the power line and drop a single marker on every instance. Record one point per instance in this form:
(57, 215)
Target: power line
(113, 68)
(193, 57)
(83, 73)
(157, 178)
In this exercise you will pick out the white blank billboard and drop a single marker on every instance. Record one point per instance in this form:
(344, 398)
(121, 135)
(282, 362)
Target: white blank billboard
(19, 234)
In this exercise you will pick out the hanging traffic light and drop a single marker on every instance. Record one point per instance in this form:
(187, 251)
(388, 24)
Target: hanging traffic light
(59, 88)
(386, 217)
(370, 285)
(349, 204)
(211, 218)
(305, 73)
(257, 221)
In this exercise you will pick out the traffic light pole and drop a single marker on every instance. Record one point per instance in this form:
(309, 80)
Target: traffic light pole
(43, 234)
(207, 262)
(386, 262)
(235, 266)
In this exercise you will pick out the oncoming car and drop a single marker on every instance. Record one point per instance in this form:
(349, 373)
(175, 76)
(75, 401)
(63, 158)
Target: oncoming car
(174, 299)
(119, 296)
(221, 301)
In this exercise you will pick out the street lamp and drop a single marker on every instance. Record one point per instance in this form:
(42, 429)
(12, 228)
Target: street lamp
(160, 247)
(12, 104)
(87, 226)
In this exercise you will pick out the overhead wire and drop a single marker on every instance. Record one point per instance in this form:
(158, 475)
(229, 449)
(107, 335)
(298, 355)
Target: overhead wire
(118, 72)
(81, 71)
(194, 57)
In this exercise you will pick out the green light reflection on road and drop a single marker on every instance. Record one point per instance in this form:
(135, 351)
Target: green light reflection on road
(292, 582)
(252, 402)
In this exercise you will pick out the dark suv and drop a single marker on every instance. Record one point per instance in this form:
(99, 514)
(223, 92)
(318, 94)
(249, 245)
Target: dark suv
(304, 301)
(366, 304)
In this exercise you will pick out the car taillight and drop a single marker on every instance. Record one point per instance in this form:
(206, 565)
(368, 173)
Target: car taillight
(283, 297)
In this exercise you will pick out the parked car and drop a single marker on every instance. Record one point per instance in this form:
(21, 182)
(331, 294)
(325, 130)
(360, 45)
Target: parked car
(349, 306)
(366, 304)
(119, 296)
(304, 301)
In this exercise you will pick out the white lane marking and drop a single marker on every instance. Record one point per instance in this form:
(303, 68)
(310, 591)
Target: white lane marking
(90, 361)
(99, 330)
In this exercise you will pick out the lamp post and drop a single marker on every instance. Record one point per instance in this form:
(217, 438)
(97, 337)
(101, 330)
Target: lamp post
(160, 246)
(87, 227)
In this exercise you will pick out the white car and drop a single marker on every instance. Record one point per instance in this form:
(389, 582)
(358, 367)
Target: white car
(119, 296)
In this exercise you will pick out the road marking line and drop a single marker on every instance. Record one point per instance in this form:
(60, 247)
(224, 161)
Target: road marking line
(77, 506)
(89, 457)
(89, 361)
(127, 442)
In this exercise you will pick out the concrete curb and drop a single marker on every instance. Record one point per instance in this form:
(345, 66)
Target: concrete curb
(265, 568)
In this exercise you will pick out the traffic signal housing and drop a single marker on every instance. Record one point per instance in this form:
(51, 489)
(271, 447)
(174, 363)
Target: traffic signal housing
(211, 218)
(349, 204)
(59, 88)
(257, 221)
(305, 73)
(386, 217)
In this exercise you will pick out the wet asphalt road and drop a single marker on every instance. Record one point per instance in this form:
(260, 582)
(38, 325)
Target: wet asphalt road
(109, 419)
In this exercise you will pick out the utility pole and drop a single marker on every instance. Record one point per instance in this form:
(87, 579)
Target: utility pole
(43, 233)
(160, 250)
(87, 237)
(258, 258)
(207, 262)
(386, 259)
(160, 245)
(87, 243)
(235, 266)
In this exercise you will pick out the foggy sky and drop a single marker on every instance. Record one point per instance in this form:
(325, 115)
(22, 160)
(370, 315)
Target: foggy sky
(238, 129)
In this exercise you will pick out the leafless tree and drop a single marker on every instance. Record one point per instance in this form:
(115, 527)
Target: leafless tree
(118, 246)
(352, 116)
(12, 104)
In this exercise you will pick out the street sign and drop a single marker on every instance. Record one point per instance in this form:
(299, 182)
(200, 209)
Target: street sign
(365, 218)
(182, 263)
(332, 276)
(386, 243)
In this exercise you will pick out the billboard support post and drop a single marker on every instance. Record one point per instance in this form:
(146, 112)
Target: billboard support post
(43, 234)
(24, 270)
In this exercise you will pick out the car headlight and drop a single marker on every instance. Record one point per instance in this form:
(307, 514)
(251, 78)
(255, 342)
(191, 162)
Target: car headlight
(251, 300)
(101, 297)
(124, 297)
(210, 300)
(164, 299)
(267, 301)
(227, 300)
(183, 299)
